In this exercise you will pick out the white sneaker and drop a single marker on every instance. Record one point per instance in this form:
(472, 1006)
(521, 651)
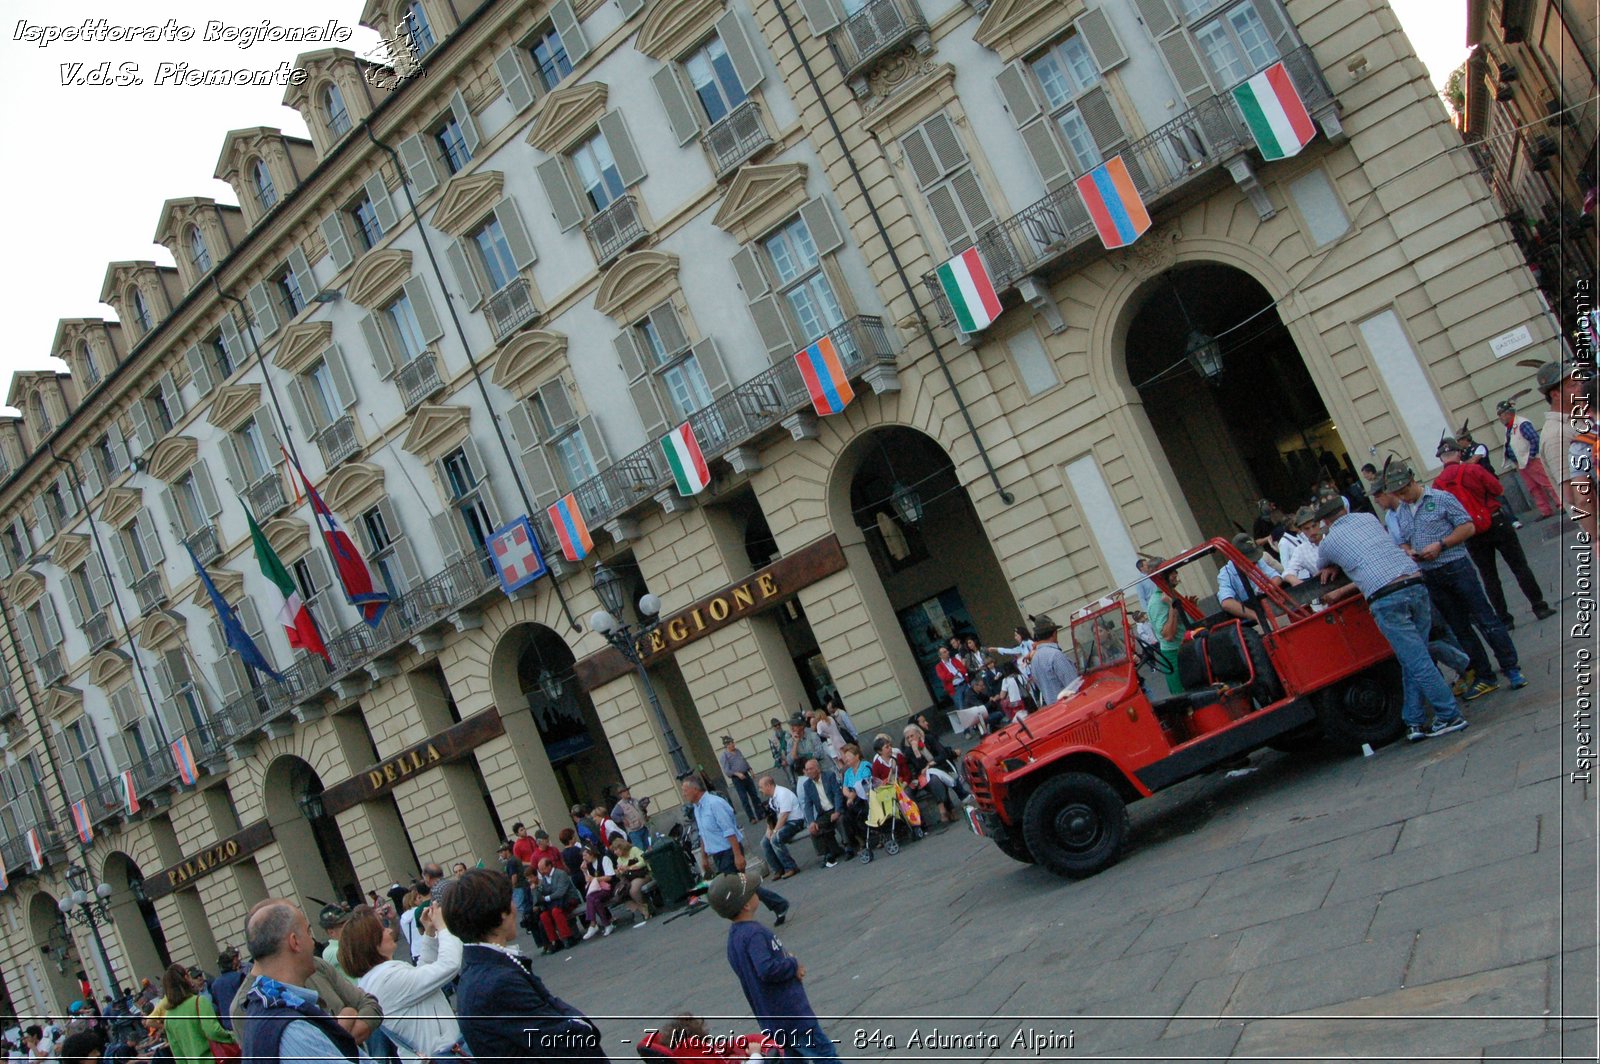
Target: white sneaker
(608, 929)
(594, 929)
(641, 921)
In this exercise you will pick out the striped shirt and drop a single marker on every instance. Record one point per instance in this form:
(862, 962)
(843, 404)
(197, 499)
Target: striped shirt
(1427, 521)
(1358, 544)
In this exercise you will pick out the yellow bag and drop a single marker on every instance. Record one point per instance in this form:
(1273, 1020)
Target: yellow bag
(881, 806)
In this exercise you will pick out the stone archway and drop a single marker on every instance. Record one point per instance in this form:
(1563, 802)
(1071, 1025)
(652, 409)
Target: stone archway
(916, 547)
(551, 720)
(314, 853)
(143, 941)
(59, 953)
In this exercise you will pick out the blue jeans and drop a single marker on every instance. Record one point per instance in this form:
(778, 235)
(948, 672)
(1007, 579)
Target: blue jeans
(770, 898)
(523, 900)
(811, 1042)
(1458, 595)
(776, 847)
(640, 838)
(1404, 618)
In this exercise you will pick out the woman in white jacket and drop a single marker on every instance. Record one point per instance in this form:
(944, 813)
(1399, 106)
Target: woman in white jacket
(414, 1005)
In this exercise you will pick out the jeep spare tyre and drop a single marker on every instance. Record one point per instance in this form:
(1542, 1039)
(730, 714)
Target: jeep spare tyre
(1075, 824)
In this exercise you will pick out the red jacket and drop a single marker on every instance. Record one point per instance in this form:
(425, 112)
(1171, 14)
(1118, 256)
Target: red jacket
(1476, 487)
(948, 671)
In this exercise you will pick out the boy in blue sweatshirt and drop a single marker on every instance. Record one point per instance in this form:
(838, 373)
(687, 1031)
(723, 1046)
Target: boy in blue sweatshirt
(770, 976)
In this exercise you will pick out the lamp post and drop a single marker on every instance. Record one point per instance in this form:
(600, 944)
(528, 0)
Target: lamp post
(619, 633)
(86, 906)
(1203, 352)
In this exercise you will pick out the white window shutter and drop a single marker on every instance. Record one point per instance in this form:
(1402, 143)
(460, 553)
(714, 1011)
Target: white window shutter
(199, 369)
(74, 605)
(464, 119)
(1157, 15)
(823, 15)
(514, 79)
(210, 504)
(630, 167)
(173, 397)
(143, 434)
(461, 266)
(752, 276)
(99, 585)
(1102, 40)
(447, 532)
(261, 304)
(563, 200)
(332, 228)
(422, 305)
(541, 480)
(630, 8)
(746, 64)
(119, 552)
(93, 482)
(377, 345)
(270, 441)
(557, 403)
(119, 445)
(682, 117)
(1188, 70)
(340, 372)
(773, 325)
(303, 276)
(825, 232)
(566, 23)
(46, 519)
(233, 341)
(516, 233)
(30, 646)
(302, 409)
(1016, 90)
(651, 413)
(150, 539)
(377, 191)
(233, 467)
(712, 368)
(52, 623)
(597, 443)
(418, 163)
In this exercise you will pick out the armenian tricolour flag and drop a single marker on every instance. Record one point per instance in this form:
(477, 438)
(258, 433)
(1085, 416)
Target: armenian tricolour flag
(81, 821)
(1276, 115)
(183, 760)
(572, 531)
(826, 381)
(1113, 203)
(4, 882)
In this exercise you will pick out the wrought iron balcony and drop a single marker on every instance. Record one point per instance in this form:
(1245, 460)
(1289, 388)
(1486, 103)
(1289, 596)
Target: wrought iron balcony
(209, 741)
(246, 713)
(104, 801)
(150, 592)
(266, 497)
(419, 380)
(153, 774)
(737, 138)
(510, 308)
(205, 543)
(22, 813)
(338, 441)
(98, 631)
(881, 27)
(52, 668)
(8, 704)
(1169, 163)
(448, 591)
(614, 230)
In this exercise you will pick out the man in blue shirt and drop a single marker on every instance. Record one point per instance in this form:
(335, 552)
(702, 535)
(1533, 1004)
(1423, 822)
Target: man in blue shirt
(283, 1020)
(1237, 592)
(1433, 526)
(722, 842)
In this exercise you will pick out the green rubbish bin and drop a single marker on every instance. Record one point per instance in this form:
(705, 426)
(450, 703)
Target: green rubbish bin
(672, 871)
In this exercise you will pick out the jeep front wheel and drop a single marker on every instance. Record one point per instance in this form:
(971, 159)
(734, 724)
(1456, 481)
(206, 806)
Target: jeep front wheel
(1362, 709)
(1075, 825)
(1016, 849)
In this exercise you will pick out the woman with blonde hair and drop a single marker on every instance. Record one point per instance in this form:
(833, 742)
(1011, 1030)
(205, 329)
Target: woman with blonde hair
(928, 774)
(191, 1021)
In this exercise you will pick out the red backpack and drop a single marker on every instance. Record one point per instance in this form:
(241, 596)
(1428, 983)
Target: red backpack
(1452, 479)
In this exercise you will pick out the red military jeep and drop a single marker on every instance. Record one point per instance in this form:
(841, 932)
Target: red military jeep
(1054, 788)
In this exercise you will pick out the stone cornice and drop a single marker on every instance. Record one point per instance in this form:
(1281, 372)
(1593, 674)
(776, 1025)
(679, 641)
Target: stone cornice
(228, 583)
(287, 536)
(355, 488)
(435, 429)
(121, 505)
(562, 118)
(1012, 27)
(25, 588)
(233, 405)
(107, 667)
(172, 457)
(300, 344)
(70, 550)
(162, 630)
(672, 27)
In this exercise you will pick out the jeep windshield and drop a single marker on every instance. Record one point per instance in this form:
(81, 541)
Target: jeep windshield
(1100, 636)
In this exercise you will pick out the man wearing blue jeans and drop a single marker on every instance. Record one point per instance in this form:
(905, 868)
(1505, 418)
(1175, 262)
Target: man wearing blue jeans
(785, 824)
(1398, 599)
(1433, 526)
(722, 843)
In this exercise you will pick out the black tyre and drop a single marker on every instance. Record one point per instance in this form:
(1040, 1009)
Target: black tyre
(1363, 709)
(1015, 849)
(1075, 825)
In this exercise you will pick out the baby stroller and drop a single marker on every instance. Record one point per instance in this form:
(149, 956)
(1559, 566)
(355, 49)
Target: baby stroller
(891, 811)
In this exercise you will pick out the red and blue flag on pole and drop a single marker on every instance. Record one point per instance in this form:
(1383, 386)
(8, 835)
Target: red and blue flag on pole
(572, 532)
(183, 760)
(1113, 203)
(80, 821)
(354, 576)
(826, 381)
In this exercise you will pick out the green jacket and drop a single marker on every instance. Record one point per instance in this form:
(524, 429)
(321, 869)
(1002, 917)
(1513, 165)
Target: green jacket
(192, 1027)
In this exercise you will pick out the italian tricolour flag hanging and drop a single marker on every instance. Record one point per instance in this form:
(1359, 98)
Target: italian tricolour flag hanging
(284, 601)
(971, 293)
(686, 460)
(1276, 115)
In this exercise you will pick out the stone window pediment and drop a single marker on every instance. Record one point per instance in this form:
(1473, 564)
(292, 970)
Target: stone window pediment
(233, 405)
(467, 199)
(637, 282)
(566, 115)
(759, 198)
(1014, 27)
(25, 588)
(356, 488)
(289, 538)
(436, 429)
(107, 668)
(300, 345)
(172, 457)
(62, 701)
(121, 506)
(524, 359)
(70, 550)
(378, 276)
(162, 630)
(673, 27)
(229, 585)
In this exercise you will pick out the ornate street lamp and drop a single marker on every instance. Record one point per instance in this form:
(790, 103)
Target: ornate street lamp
(1203, 352)
(86, 905)
(619, 633)
(907, 503)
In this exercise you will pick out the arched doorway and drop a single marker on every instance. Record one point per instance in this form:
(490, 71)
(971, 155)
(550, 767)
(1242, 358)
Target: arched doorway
(927, 547)
(1258, 428)
(533, 672)
(135, 916)
(314, 852)
(59, 952)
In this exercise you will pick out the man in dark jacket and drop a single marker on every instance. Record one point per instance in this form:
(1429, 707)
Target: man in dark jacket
(822, 808)
(506, 1012)
(283, 1020)
(226, 985)
(555, 896)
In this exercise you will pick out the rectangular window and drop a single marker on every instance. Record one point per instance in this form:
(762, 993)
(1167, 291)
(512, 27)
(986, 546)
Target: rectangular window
(57, 504)
(186, 499)
(160, 413)
(679, 371)
(566, 442)
(85, 753)
(289, 294)
(715, 83)
(381, 544)
(803, 285)
(83, 590)
(368, 229)
(452, 145)
(221, 357)
(1064, 73)
(1236, 43)
(404, 331)
(321, 395)
(133, 542)
(494, 254)
(252, 450)
(104, 459)
(305, 580)
(550, 60)
(462, 483)
(597, 172)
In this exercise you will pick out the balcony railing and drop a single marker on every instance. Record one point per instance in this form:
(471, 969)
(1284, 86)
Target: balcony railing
(22, 813)
(1166, 163)
(8, 704)
(419, 380)
(266, 496)
(873, 32)
(153, 774)
(245, 714)
(615, 229)
(510, 308)
(338, 441)
(52, 668)
(105, 801)
(208, 741)
(737, 138)
(205, 543)
(98, 631)
(150, 592)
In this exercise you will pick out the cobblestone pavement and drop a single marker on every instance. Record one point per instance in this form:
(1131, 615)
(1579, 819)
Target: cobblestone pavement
(1433, 900)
